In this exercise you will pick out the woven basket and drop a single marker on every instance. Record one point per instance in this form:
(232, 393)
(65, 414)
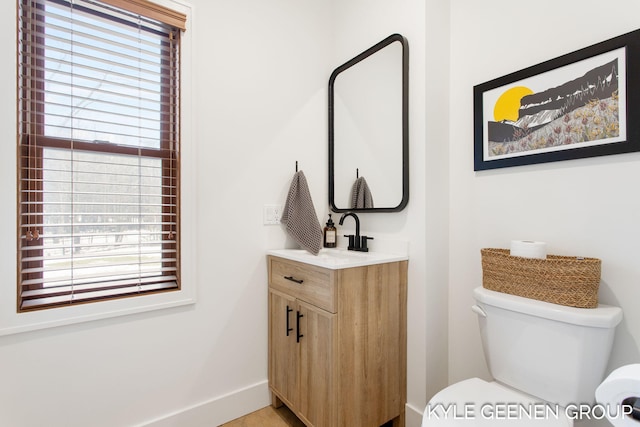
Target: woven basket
(563, 280)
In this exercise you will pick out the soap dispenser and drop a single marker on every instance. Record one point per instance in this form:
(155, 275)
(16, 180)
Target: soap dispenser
(330, 234)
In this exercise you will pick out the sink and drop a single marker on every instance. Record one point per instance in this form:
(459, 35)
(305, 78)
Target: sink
(335, 259)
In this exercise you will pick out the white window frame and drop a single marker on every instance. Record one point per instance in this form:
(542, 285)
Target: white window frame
(12, 322)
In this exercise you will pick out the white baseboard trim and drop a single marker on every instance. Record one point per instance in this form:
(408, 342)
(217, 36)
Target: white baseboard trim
(413, 416)
(233, 405)
(218, 410)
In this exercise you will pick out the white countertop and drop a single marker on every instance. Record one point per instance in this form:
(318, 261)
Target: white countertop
(336, 259)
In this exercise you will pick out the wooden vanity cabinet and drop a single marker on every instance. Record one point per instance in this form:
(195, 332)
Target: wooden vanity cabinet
(337, 342)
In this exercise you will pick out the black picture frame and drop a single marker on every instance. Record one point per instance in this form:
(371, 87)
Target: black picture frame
(583, 104)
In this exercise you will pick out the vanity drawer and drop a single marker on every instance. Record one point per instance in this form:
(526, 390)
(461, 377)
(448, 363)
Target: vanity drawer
(308, 283)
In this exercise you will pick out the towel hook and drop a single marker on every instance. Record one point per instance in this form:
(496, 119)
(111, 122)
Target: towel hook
(357, 173)
(296, 166)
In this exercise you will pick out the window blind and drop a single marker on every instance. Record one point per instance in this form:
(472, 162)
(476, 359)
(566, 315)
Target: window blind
(98, 153)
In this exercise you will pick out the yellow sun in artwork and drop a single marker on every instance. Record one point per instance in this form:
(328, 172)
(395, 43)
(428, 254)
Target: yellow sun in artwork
(508, 103)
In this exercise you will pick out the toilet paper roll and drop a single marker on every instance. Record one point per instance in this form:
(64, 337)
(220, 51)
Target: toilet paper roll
(617, 392)
(529, 249)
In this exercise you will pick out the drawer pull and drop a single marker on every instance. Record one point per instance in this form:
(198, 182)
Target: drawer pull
(298, 334)
(293, 279)
(289, 310)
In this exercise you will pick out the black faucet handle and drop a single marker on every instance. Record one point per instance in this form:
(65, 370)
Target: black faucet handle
(363, 245)
(352, 240)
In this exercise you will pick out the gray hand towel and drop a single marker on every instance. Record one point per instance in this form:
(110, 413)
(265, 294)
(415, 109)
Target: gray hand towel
(300, 216)
(361, 194)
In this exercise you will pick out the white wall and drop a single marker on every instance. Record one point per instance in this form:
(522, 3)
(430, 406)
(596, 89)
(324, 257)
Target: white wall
(580, 207)
(260, 80)
(357, 25)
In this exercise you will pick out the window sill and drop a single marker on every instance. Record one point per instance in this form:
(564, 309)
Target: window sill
(54, 317)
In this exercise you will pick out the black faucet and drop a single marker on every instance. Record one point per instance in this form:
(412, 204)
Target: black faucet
(356, 243)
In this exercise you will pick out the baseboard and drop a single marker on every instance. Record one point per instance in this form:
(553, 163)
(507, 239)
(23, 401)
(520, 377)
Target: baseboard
(413, 416)
(218, 410)
(225, 408)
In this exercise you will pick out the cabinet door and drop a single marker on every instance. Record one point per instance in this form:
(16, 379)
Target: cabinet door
(317, 366)
(283, 349)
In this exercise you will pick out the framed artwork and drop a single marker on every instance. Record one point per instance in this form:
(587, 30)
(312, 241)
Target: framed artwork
(583, 104)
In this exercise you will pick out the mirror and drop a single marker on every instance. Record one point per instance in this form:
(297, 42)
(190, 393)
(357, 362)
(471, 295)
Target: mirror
(368, 130)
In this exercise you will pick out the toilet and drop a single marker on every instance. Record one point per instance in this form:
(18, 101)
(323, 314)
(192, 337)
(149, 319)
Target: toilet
(546, 361)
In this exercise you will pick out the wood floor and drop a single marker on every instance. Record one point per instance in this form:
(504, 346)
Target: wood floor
(267, 417)
(271, 417)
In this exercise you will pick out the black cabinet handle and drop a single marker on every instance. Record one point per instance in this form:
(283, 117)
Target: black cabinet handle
(289, 310)
(298, 334)
(293, 279)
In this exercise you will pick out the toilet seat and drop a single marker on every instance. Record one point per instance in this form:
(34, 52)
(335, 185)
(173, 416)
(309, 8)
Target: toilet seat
(475, 402)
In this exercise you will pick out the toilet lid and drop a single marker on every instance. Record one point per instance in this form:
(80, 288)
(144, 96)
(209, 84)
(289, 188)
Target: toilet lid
(475, 402)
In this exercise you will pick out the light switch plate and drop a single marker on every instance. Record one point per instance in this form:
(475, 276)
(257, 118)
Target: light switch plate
(271, 214)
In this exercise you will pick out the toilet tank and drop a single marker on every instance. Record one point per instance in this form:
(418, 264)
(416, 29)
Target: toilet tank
(556, 353)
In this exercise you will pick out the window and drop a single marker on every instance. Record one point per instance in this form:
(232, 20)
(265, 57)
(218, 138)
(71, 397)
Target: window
(98, 151)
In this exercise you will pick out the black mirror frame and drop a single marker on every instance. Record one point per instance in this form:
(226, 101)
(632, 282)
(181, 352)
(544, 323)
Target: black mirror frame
(405, 123)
